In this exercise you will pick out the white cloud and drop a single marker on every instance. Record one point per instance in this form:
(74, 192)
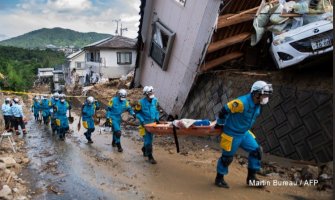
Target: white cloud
(79, 15)
(69, 5)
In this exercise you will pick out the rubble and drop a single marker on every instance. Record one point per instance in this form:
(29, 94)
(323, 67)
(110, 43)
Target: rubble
(8, 161)
(6, 192)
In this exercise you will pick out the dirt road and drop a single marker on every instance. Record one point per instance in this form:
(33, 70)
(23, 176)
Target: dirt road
(76, 170)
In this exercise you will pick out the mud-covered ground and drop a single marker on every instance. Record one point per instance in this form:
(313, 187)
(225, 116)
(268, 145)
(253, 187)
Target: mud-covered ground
(73, 169)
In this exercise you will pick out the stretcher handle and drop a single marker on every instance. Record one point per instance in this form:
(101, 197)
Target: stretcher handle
(175, 137)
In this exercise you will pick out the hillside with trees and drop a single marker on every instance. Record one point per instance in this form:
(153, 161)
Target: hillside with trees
(19, 66)
(59, 37)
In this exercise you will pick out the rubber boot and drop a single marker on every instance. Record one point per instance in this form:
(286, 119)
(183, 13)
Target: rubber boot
(143, 150)
(220, 182)
(151, 159)
(119, 148)
(252, 181)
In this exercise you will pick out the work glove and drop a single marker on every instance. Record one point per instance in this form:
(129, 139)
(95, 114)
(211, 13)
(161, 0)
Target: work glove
(157, 121)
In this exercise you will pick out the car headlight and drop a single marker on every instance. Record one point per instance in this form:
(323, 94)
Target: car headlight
(281, 40)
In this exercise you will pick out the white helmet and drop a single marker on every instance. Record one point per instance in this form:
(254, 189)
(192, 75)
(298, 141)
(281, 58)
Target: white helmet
(122, 93)
(7, 99)
(16, 100)
(261, 87)
(37, 98)
(56, 95)
(62, 96)
(148, 89)
(90, 99)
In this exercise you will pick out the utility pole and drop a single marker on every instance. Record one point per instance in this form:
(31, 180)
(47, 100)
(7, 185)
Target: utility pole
(117, 25)
(123, 29)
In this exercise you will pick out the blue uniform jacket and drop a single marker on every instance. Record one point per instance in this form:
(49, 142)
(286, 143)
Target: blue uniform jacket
(6, 110)
(116, 108)
(17, 110)
(147, 112)
(241, 115)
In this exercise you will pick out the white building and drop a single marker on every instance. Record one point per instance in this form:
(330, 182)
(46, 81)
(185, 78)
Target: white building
(111, 58)
(75, 67)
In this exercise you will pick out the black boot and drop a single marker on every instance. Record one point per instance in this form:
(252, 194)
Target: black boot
(220, 182)
(119, 148)
(113, 144)
(143, 150)
(151, 159)
(252, 181)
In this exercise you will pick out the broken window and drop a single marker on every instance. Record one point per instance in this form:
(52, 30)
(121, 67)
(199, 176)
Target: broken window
(161, 44)
(123, 58)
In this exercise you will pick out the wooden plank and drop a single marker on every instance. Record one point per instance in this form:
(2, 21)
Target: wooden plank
(216, 62)
(224, 21)
(228, 41)
(250, 10)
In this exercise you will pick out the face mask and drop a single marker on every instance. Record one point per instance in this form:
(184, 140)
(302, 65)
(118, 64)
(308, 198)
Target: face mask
(56, 98)
(151, 96)
(62, 100)
(122, 98)
(264, 101)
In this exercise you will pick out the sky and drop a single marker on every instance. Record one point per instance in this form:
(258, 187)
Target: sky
(22, 16)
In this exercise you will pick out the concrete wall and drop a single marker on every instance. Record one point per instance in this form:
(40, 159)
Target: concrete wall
(297, 123)
(193, 25)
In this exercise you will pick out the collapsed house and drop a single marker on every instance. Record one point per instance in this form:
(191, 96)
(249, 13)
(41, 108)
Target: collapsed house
(191, 52)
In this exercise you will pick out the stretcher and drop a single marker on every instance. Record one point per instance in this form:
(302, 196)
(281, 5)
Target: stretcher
(166, 128)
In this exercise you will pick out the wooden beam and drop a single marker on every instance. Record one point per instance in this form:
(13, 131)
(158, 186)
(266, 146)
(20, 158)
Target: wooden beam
(224, 21)
(216, 62)
(228, 42)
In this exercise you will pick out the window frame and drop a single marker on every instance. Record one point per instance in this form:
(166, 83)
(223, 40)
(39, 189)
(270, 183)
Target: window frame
(154, 46)
(118, 57)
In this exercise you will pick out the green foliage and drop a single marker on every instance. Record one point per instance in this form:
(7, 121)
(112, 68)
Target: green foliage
(19, 66)
(57, 36)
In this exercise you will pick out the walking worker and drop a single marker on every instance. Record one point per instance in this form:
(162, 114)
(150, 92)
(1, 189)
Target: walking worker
(35, 108)
(116, 106)
(88, 111)
(7, 113)
(52, 102)
(147, 112)
(45, 107)
(60, 113)
(18, 116)
(236, 119)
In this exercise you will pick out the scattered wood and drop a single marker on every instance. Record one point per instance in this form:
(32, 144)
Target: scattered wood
(228, 42)
(216, 62)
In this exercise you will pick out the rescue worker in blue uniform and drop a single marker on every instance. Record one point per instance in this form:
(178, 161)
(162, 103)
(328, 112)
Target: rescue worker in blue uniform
(60, 113)
(116, 106)
(35, 108)
(52, 102)
(236, 119)
(147, 112)
(45, 107)
(18, 116)
(7, 114)
(88, 111)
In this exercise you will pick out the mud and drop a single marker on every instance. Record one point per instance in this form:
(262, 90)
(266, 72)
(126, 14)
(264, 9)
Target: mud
(74, 169)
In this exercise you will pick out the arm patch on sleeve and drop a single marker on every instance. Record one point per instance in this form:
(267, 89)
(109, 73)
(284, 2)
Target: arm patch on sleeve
(235, 106)
(138, 106)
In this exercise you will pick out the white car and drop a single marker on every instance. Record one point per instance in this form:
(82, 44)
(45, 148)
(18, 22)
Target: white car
(294, 46)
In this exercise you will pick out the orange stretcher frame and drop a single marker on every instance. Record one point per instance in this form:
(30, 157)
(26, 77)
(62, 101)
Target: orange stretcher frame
(167, 128)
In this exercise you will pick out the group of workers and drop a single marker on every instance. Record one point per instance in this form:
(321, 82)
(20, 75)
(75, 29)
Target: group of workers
(235, 119)
(13, 115)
